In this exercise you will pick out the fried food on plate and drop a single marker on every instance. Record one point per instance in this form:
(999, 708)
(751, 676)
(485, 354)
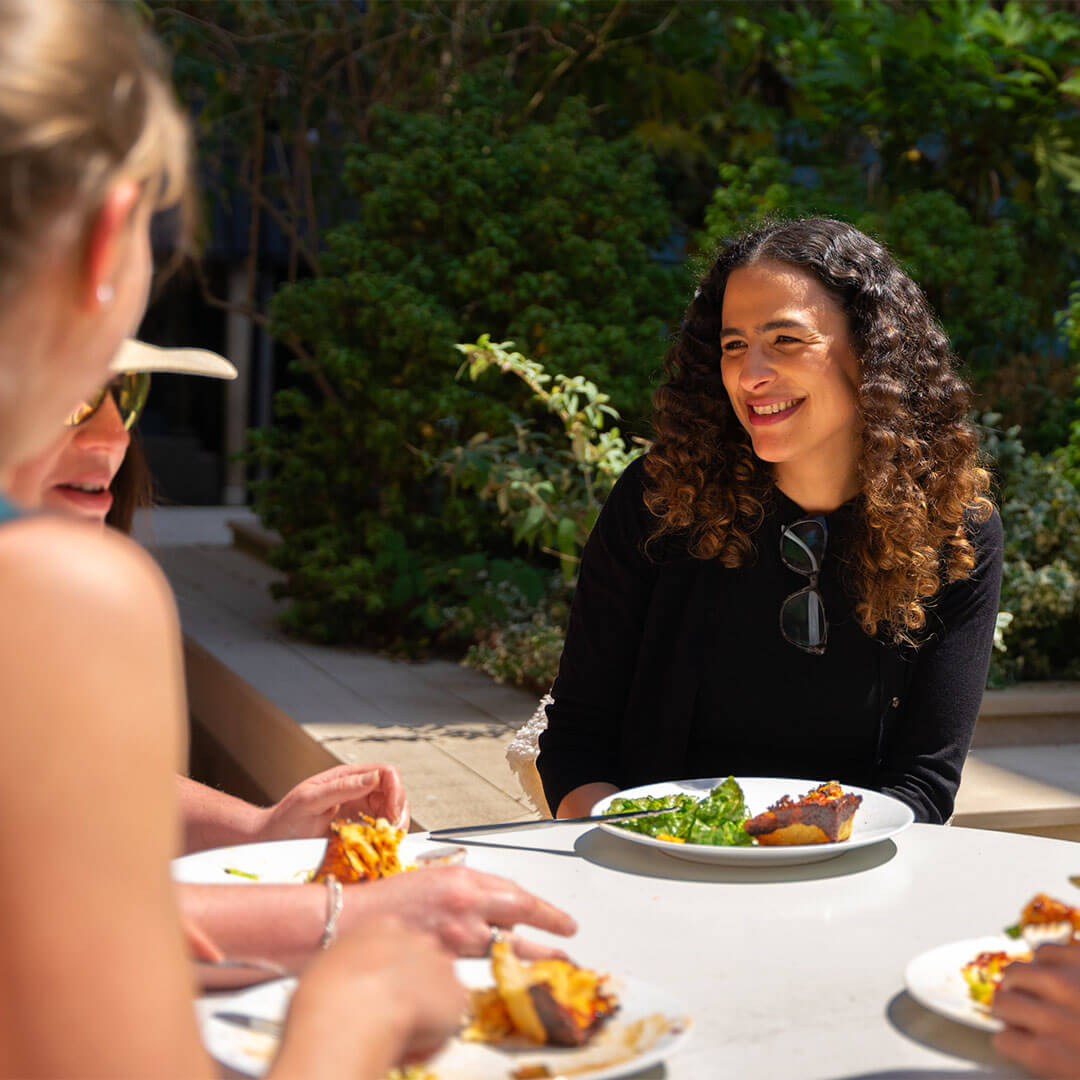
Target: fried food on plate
(821, 816)
(1043, 919)
(1047, 919)
(983, 974)
(361, 851)
(551, 1002)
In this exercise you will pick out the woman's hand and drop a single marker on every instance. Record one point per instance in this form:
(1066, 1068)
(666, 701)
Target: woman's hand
(1040, 1005)
(382, 995)
(344, 791)
(581, 800)
(459, 906)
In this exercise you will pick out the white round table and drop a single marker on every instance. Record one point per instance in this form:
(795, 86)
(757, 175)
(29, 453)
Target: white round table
(792, 972)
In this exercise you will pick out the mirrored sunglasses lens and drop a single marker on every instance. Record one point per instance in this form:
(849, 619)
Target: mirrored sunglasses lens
(802, 620)
(130, 391)
(85, 409)
(802, 546)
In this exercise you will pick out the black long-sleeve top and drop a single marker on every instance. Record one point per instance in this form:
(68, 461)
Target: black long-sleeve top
(675, 667)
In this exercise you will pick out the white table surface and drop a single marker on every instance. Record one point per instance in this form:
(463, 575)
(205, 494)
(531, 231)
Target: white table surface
(795, 972)
(792, 972)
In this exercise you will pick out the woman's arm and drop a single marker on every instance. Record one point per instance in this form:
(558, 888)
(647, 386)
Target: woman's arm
(927, 737)
(213, 819)
(602, 641)
(284, 923)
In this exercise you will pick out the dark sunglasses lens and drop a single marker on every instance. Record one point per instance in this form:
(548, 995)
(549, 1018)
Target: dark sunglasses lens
(802, 546)
(802, 620)
(130, 391)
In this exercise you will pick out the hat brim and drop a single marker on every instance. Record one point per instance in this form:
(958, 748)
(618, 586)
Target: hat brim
(138, 356)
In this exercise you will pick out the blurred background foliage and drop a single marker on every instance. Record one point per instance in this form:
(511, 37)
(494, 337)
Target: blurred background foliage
(552, 173)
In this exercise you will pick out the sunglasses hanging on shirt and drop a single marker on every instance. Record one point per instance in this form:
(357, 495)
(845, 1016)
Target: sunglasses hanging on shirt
(802, 614)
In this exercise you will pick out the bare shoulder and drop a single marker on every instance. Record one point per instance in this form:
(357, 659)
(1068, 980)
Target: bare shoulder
(49, 564)
(89, 649)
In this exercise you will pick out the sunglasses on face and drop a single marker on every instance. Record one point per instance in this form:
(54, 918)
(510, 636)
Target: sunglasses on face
(129, 391)
(802, 614)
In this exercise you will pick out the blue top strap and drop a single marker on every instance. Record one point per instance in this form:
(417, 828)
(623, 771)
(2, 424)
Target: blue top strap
(8, 510)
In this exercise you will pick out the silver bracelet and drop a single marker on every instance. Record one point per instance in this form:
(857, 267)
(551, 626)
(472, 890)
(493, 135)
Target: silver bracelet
(335, 901)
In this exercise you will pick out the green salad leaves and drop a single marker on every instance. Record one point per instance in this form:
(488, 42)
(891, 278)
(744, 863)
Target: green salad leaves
(717, 819)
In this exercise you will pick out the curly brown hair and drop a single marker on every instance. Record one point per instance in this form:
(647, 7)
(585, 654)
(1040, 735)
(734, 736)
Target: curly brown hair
(920, 478)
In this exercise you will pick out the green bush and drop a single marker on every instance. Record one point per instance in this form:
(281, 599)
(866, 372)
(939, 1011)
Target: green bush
(464, 224)
(523, 644)
(1040, 511)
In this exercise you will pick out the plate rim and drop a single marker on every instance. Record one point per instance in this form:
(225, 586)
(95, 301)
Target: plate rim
(756, 854)
(179, 865)
(970, 947)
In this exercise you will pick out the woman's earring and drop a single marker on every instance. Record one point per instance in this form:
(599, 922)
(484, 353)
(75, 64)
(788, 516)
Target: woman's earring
(104, 294)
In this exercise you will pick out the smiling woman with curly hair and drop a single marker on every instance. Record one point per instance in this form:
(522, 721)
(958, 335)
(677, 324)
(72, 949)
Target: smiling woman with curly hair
(801, 577)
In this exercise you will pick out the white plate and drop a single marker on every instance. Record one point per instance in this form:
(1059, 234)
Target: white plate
(279, 862)
(878, 818)
(934, 980)
(251, 1054)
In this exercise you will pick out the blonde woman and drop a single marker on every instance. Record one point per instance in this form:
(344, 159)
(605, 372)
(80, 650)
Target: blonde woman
(95, 979)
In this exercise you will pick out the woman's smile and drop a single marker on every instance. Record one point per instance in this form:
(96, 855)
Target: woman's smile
(772, 412)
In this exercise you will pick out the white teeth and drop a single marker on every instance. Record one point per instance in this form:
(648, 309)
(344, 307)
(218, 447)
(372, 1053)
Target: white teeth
(768, 410)
(92, 489)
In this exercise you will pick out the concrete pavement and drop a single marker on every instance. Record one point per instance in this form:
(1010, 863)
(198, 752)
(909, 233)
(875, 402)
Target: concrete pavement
(445, 727)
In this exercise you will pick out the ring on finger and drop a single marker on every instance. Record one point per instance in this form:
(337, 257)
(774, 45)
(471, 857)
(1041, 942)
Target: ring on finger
(495, 935)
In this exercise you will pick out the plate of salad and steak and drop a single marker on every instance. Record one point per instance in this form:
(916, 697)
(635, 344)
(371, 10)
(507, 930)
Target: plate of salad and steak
(756, 820)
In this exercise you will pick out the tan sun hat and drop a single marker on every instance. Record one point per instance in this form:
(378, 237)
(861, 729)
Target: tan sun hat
(138, 356)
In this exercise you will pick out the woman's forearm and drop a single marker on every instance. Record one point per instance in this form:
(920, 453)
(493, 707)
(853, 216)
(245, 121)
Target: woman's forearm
(213, 819)
(279, 923)
(582, 799)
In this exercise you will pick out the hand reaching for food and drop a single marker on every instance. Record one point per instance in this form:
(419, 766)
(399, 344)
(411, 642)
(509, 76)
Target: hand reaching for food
(345, 791)
(460, 907)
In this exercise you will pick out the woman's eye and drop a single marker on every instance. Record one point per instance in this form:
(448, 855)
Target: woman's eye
(785, 339)
(731, 346)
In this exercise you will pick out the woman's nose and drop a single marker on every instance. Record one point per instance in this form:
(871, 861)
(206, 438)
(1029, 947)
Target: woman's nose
(756, 370)
(104, 428)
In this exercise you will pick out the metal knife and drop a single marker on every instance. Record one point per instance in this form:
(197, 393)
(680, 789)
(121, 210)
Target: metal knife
(260, 1024)
(463, 829)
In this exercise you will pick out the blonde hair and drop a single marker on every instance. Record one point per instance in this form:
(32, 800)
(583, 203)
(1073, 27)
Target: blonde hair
(85, 101)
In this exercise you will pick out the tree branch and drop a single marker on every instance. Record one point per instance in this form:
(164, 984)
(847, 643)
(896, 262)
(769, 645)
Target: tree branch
(568, 62)
(290, 341)
(257, 155)
(288, 227)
